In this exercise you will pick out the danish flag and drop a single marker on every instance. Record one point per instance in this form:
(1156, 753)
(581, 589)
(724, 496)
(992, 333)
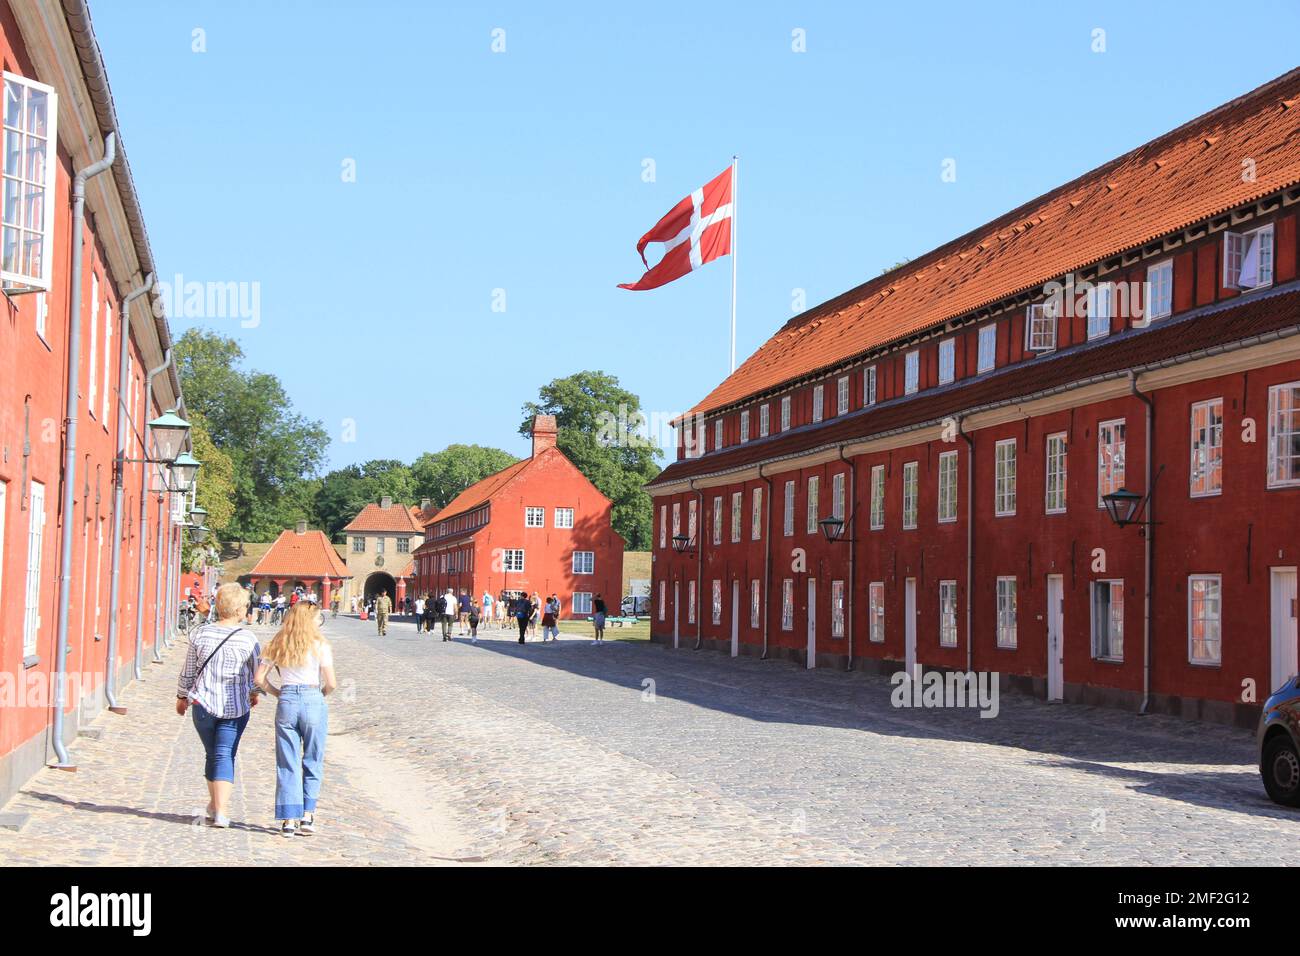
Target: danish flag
(695, 231)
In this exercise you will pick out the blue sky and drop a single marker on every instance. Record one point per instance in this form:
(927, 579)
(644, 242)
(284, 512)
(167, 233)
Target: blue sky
(523, 171)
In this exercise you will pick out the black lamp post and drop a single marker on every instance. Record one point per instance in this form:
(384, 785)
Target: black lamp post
(832, 528)
(1122, 505)
(683, 544)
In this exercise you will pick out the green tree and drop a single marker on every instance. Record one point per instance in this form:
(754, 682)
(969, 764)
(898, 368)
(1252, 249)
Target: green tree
(345, 491)
(589, 409)
(214, 493)
(441, 476)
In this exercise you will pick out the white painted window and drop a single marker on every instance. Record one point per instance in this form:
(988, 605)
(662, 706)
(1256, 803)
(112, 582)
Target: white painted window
(947, 613)
(877, 497)
(108, 364)
(663, 525)
(814, 483)
(837, 495)
(744, 426)
(1006, 612)
(988, 344)
(788, 527)
(1056, 473)
(584, 562)
(764, 420)
(756, 516)
(754, 606)
(717, 519)
(819, 402)
(869, 386)
(1206, 471)
(513, 560)
(911, 372)
(677, 518)
(35, 555)
(379, 545)
(1040, 327)
(911, 473)
(358, 545)
(717, 433)
(1160, 290)
(842, 395)
(536, 517)
(876, 612)
(1205, 619)
(1284, 435)
(947, 486)
(1110, 458)
(837, 609)
(737, 504)
(663, 598)
(787, 605)
(27, 231)
(1248, 259)
(947, 361)
(1101, 309)
(1005, 474)
(785, 413)
(690, 601)
(1108, 620)
(692, 520)
(717, 601)
(688, 436)
(582, 602)
(564, 517)
(403, 545)
(92, 382)
(42, 307)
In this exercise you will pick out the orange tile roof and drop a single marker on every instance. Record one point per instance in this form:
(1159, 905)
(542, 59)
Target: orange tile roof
(479, 492)
(309, 554)
(395, 518)
(1184, 176)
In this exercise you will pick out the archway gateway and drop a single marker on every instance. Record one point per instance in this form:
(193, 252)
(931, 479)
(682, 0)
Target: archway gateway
(381, 581)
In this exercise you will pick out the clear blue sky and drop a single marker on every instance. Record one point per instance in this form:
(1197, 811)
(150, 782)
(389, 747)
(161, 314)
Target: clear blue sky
(522, 170)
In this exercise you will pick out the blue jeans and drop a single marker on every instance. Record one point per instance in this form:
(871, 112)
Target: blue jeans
(220, 736)
(301, 723)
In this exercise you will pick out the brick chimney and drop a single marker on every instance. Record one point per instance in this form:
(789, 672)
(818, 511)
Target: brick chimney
(302, 527)
(385, 502)
(544, 433)
(424, 503)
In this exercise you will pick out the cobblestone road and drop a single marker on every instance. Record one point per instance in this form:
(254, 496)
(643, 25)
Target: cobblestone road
(632, 753)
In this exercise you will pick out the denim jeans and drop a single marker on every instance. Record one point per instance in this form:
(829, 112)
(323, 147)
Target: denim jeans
(301, 723)
(220, 736)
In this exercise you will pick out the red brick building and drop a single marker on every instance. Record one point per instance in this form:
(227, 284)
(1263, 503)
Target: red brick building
(965, 414)
(536, 526)
(76, 558)
(300, 558)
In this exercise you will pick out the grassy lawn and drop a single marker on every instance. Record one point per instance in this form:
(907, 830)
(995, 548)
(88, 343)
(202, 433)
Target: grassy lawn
(640, 631)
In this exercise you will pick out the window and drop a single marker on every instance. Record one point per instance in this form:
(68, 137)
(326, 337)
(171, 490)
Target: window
(691, 520)
(764, 420)
(582, 602)
(1284, 435)
(108, 365)
(717, 602)
(677, 518)
(358, 545)
(837, 609)
(1056, 473)
(876, 612)
(717, 519)
(717, 434)
(987, 348)
(1005, 486)
(877, 497)
(911, 372)
(869, 386)
(379, 545)
(787, 605)
(1207, 448)
(1160, 289)
(1110, 458)
(663, 598)
(35, 555)
(690, 601)
(754, 610)
(785, 414)
(947, 613)
(789, 509)
(27, 231)
(744, 426)
(403, 545)
(42, 306)
(584, 562)
(536, 518)
(756, 516)
(564, 517)
(1108, 620)
(837, 495)
(92, 383)
(1006, 612)
(1101, 307)
(513, 560)
(663, 525)
(1040, 327)
(911, 470)
(688, 437)
(813, 484)
(1204, 619)
(737, 502)
(947, 361)
(1248, 259)
(819, 402)
(842, 395)
(947, 486)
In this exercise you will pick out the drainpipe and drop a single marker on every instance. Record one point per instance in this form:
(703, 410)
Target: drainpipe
(119, 492)
(970, 540)
(767, 558)
(851, 526)
(1148, 532)
(144, 514)
(70, 442)
(699, 566)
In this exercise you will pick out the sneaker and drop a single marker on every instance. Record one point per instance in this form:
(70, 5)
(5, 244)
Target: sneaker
(307, 825)
(220, 821)
(288, 828)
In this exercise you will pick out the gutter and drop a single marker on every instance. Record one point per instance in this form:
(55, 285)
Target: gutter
(851, 525)
(970, 540)
(1148, 532)
(767, 561)
(699, 568)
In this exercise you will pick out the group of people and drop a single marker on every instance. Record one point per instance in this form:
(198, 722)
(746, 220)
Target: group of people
(508, 609)
(226, 670)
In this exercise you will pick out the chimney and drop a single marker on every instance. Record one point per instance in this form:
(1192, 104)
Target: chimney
(385, 502)
(302, 527)
(544, 433)
(424, 503)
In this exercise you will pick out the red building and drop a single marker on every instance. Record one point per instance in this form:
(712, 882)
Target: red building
(300, 558)
(537, 526)
(962, 418)
(85, 564)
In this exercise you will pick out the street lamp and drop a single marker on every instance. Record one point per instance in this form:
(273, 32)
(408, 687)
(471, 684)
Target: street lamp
(169, 431)
(1122, 506)
(198, 533)
(197, 515)
(183, 468)
(682, 544)
(832, 528)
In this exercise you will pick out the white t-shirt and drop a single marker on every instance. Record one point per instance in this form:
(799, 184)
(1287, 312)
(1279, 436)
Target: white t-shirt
(308, 672)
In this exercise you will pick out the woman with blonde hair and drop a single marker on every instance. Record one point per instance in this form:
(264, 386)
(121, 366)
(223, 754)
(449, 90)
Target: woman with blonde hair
(304, 662)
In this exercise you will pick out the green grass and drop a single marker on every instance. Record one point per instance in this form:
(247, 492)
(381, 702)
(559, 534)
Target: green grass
(640, 631)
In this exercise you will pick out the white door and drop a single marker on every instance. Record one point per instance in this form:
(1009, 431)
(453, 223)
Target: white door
(1283, 613)
(812, 622)
(1055, 637)
(909, 628)
(677, 612)
(735, 618)
(35, 547)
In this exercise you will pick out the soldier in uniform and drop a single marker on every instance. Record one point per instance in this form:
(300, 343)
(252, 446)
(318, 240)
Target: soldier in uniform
(383, 604)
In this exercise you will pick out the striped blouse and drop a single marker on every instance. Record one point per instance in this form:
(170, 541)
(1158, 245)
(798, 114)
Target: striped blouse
(226, 683)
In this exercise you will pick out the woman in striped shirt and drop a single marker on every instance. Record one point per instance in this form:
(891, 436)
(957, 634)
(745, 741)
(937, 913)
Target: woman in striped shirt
(218, 680)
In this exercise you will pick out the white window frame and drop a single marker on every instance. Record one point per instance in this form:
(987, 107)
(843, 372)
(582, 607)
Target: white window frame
(35, 560)
(764, 419)
(947, 613)
(663, 598)
(744, 426)
(1206, 449)
(1205, 660)
(717, 433)
(819, 402)
(912, 372)
(692, 520)
(1114, 623)
(737, 506)
(358, 544)
(1004, 478)
(663, 526)
(563, 518)
(911, 493)
(717, 601)
(877, 497)
(987, 353)
(837, 609)
(1280, 431)
(787, 604)
(580, 602)
(1237, 247)
(842, 395)
(869, 386)
(754, 603)
(1040, 327)
(947, 361)
(42, 317)
(1159, 290)
(677, 519)
(788, 518)
(1056, 474)
(837, 495)
(1117, 457)
(812, 504)
(947, 507)
(584, 562)
(785, 413)
(876, 612)
(535, 517)
(717, 519)
(512, 560)
(17, 277)
(756, 515)
(108, 364)
(1101, 310)
(92, 381)
(1007, 612)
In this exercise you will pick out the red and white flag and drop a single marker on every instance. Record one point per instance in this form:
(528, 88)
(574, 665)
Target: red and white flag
(695, 231)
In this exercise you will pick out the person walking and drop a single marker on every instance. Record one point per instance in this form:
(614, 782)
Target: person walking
(487, 608)
(383, 605)
(523, 613)
(430, 613)
(334, 604)
(598, 618)
(304, 665)
(465, 603)
(551, 619)
(218, 682)
(450, 610)
(419, 613)
(473, 623)
(535, 606)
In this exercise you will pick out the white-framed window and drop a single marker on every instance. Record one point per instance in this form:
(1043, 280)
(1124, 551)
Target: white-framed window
(756, 516)
(692, 520)
(358, 545)
(744, 426)
(717, 433)
(814, 484)
(837, 609)
(663, 525)
(536, 518)
(911, 372)
(403, 545)
(1108, 620)
(1248, 259)
(717, 601)
(819, 402)
(788, 527)
(379, 545)
(1101, 309)
(1056, 474)
(512, 559)
(837, 495)
(717, 519)
(869, 386)
(35, 556)
(785, 413)
(564, 517)
(764, 420)
(1205, 619)
(1110, 458)
(677, 518)
(1160, 290)
(842, 395)
(27, 230)
(787, 605)
(688, 436)
(988, 347)
(737, 505)
(947, 486)
(754, 606)
(108, 365)
(1284, 435)
(1006, 612)
(584, 562)
(1040, 327)
(1004, 502)
(947, 361)
(876, 612)
(947, 613)
(663, 598)
(911, 475)
(92, 382)
(877, 497)
(42, 307)
(582, 602)
(1206, 472)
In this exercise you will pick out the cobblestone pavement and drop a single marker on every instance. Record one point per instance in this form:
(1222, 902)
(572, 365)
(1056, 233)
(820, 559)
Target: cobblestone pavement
(635, 753)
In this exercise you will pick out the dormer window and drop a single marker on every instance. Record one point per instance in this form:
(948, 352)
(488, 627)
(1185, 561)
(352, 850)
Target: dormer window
(764, 420)
(785, 413)
(1248, 259)
(1101, 308)
(744, 426)
(1160, 290)
(842, 395)
(819, 402)
(988, 348)
(947, 361)
(1040, 327)
(869, 386)
(717, 433)
(912, 373)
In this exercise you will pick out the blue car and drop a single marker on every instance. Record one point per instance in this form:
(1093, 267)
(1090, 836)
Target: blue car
(1279, 744)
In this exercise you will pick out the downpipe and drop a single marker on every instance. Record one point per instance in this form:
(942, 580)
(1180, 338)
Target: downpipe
(70, 444)
(851, 526)
(767, 561)
(699, 566)
(970, 540)
(1148, 532)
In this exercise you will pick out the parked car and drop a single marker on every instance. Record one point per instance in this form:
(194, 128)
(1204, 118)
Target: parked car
(635, 606)
(1279, 744)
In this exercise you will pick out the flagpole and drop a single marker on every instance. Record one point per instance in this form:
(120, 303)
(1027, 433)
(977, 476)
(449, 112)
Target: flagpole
(735, 163)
